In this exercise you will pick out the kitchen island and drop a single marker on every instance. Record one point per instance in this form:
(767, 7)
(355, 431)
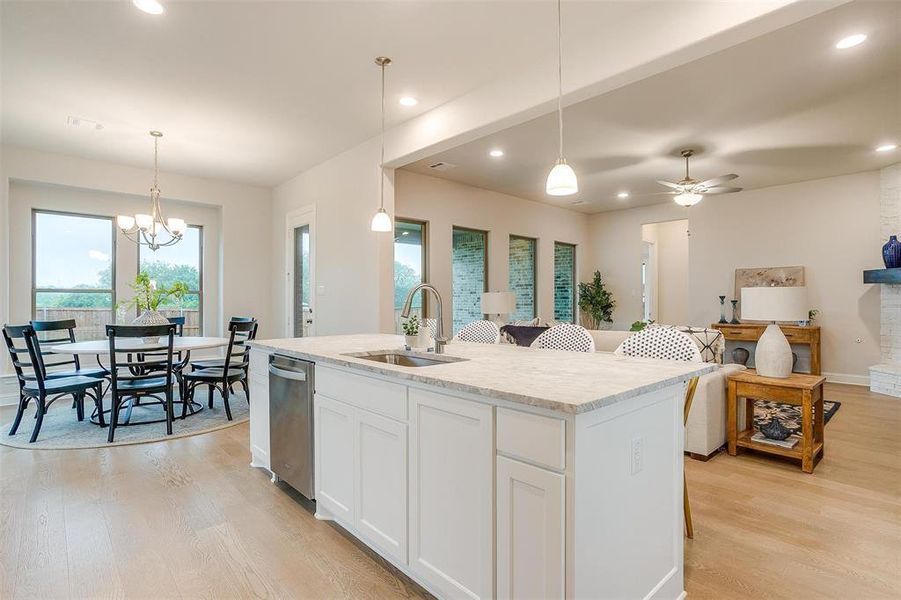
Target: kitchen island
(494, 470)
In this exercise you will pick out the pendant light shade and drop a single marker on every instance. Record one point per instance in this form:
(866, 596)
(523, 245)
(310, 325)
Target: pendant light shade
(561, 181)
(381, 221)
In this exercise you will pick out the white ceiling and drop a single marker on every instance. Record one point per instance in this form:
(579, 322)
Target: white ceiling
(250, 91)
(784, 107)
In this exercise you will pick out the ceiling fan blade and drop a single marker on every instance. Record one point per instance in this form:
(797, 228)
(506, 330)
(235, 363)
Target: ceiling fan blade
(718, 180)
(670, 184)
(721, 190)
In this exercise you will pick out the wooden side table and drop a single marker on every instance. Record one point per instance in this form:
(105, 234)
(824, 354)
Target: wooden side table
(801, 390)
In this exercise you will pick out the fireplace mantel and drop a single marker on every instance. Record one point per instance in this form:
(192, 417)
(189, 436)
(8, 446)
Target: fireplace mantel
(884, 276)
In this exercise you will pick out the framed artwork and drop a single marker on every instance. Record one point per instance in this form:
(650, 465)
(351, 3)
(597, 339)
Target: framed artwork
(767, 277)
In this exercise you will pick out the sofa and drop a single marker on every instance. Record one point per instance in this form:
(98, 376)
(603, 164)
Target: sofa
(705, 432)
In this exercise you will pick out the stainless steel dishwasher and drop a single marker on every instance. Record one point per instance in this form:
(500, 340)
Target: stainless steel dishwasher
(291, 422)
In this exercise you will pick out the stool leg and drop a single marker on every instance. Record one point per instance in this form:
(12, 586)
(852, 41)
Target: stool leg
(689, 530)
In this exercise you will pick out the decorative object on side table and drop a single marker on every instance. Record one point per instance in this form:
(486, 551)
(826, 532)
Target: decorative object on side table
(734, 320)
(596, 304)
(775, 430)
(147, 300)
(773, 356)
(740, 356)
(723, 310)
(414, 335)
(891, 253)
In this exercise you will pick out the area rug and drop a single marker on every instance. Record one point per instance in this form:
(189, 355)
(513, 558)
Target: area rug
(788, 414)
(62, 431)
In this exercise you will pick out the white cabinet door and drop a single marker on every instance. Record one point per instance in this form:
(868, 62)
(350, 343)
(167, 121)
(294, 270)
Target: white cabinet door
(451, 494)
(335, 451)
(530, 531)
(259, 408)
(381, 483)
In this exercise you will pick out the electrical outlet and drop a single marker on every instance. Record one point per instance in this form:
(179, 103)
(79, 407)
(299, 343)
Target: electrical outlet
(637, 455)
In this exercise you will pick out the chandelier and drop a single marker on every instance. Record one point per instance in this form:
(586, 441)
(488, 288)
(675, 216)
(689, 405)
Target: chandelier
(144, 229)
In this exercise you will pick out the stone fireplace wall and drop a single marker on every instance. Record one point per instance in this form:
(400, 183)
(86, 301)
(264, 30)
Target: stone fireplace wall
(885, 378)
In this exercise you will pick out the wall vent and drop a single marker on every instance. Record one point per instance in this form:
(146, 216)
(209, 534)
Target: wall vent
(442, 166)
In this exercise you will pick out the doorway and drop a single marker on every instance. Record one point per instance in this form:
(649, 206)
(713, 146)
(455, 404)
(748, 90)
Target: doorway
(664, 272)
(300, 267)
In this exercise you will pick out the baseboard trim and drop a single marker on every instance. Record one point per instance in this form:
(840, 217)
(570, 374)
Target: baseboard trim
(863, 380)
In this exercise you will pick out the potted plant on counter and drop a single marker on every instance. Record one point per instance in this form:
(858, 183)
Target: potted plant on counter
(148, 297)
(414, 335)
(596, 304)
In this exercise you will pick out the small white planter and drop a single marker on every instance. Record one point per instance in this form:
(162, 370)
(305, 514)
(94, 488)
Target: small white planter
(422, 340)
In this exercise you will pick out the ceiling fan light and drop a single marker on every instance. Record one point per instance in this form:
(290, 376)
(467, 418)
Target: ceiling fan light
(381, 221)
(562, 181)
(687, 199)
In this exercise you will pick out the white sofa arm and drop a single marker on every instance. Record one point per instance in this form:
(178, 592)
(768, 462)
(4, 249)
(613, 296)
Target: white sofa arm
(705, 431)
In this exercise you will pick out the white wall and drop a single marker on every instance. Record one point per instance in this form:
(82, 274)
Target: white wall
(242, 274)
(670, 269)
(828, 225)
(352, 265)
(444, 203)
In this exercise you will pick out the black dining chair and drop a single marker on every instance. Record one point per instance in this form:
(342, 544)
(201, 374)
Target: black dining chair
(35, 385)
(132, 380)
(240, 358)
(179, 323)
(62, 331)
(223, 377)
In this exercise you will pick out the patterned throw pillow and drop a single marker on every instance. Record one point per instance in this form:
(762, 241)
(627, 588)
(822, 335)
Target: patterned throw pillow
(709, 341)
(530, 323)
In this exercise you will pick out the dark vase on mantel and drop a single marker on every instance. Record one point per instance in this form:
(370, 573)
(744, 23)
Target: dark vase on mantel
(891, 253)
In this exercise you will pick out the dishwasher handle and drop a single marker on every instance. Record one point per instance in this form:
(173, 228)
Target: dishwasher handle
(294, 375)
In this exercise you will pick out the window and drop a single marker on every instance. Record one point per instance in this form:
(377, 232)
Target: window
(523, 262)
(564, 282)
(470, 274)
(181, 262)
(410, 264)
(73, 270)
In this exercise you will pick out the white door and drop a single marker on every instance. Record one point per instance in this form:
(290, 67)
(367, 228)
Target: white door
(451, 494)
(335, 457)
(300, 272)
(381, 483)
(530, 531)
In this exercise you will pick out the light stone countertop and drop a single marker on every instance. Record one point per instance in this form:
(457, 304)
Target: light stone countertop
(568, 382)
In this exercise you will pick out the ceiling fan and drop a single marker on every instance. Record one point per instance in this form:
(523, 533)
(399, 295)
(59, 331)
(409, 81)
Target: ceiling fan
(689, 192)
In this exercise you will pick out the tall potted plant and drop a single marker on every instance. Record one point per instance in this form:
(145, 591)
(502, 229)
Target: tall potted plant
(148, 297)
(596, 304)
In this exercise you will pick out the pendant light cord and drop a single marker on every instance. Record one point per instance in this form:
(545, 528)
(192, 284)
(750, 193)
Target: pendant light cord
(382, 159)
(560, 74)
(156, 162)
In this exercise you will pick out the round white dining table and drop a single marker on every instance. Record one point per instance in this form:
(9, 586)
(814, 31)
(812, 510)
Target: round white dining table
(101, 347)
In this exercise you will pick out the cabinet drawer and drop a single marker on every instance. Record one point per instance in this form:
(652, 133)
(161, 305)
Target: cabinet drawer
(748, 334)
(537, 439)
(376, 395)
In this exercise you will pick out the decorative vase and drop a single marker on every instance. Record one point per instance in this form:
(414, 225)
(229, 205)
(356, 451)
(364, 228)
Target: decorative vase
(775, 430)
(734, 320)
(723, 310)
(891, 253)
(740, 356)
(773, 355)
(151, 317)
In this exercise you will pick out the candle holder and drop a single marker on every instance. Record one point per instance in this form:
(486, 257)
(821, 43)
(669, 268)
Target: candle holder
(723, 310)
(734, 320)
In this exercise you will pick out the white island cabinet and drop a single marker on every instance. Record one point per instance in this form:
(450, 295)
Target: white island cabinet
(563, 481)
(259, 408)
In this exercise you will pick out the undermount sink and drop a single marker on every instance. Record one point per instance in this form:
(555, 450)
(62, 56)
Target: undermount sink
(403, 358)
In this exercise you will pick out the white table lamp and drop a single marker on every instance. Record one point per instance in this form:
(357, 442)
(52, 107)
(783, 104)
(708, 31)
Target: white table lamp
(497, 304)
(773, 356)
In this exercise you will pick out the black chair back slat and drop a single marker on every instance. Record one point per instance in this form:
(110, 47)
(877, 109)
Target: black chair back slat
(239, 333)
(47, 328)
(179, 323)
(25, 371)
(137, 370)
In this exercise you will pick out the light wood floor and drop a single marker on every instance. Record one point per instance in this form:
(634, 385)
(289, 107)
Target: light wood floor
(189, 518)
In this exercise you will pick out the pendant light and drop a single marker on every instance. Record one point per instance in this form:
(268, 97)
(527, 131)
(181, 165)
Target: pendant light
(561, 181)
(381, 221)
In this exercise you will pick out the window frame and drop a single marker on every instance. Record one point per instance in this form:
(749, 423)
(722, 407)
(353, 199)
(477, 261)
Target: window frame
(575, 278)
(200, 299)
(534, 241)
(425, 254)
(35, 290)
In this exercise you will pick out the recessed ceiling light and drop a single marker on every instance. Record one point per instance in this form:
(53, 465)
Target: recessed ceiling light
(83, 123)
(886, 147)
(622, 195)
(408, 101)
(851, 41)
(496, 153)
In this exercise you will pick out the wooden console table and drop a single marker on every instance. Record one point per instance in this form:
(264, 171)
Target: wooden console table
(795, 334)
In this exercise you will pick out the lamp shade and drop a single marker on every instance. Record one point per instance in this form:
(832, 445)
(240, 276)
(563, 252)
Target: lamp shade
(561, 181)
(381, 221)
(498, 303)
(774, 303)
